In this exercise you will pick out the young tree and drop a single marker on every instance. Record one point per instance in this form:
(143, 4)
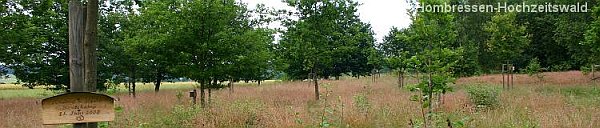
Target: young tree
(398, 50)
(435, 33)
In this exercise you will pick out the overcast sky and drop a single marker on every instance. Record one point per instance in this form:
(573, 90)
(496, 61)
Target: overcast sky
(381, 14)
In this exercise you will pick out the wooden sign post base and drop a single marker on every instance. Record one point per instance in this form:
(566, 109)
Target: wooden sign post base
(78, 107)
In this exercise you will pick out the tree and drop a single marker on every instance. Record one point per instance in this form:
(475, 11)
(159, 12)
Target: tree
(217, 41)
(34, 44)
(114, 63)
(398, 50)
(438, 55)
(592, 38)
(507, 39)
(150, 40)
(535, 69)
(327, 40)
(471, 36)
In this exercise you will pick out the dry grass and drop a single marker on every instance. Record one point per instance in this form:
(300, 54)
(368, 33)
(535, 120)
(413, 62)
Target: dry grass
(550, 78)
(292, 104)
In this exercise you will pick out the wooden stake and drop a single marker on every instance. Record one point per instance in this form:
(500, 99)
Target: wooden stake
(503, 82)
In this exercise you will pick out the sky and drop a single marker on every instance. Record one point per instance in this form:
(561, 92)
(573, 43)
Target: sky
(381, 14)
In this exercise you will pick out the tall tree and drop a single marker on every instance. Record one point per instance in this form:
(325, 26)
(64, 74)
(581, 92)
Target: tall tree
(592, 38)
(507, 39)
(218, 41)
(33, 41)
(114, 63)
(327, 40)
(150, 40)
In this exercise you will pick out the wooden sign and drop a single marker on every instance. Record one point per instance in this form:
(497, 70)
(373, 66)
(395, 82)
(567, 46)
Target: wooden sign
(78, 107)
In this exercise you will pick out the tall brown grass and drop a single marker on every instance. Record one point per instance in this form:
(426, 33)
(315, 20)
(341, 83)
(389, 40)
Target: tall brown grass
(292, 104)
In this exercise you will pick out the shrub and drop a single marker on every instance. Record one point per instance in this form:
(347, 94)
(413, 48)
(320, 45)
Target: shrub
(483, 96)
(534, 69)
(361, 102)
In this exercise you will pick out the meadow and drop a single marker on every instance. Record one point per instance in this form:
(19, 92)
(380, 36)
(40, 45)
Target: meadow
(561, 99)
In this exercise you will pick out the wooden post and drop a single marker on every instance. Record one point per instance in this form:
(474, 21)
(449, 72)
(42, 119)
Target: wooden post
(400, 82)
(76, 29)
(373, 75)
(316, 82)
(230, 84)
(193, 96)
(82, 49)
(89, 45)
(512, 75)
(503, 82)
(202, 95)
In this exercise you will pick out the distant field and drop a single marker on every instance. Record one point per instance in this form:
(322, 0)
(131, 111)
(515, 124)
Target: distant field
(11, 79)
(8, 91)
(563, 99)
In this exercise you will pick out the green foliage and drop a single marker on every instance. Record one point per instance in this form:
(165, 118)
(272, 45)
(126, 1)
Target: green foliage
(585, 69)
(507, 39)
(534, 69)
(484, 96)
(112, 87)
(592, 38)
(34, 44)
(433, 49)
(180, 116)
(361, 102)
(250, 109)
(179, 96)
(328, 39)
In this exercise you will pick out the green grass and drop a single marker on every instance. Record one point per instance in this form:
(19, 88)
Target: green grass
(581, 95)
(24, 93)
(11, 91)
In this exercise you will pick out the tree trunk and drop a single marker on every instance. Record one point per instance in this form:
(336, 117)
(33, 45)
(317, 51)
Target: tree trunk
(231, 85)
(211, 85)
(259, 82)
(133, 88)
(128, 84)
(158, 80)
(202, 98)
(316, 80)
(133, 80)
(209, 95)
(400, 77)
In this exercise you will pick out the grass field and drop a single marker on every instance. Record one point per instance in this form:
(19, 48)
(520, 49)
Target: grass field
(562, 99)
(8, 80)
